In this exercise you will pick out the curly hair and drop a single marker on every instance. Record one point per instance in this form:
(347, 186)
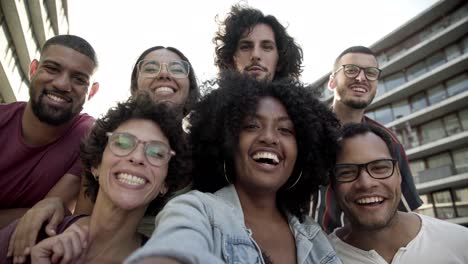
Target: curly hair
(217, 121)
(194, 91)
(138, 107)
(241, 20)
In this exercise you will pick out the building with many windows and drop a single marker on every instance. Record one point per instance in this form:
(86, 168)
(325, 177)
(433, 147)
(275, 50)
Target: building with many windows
(423, 97)
(24, 27)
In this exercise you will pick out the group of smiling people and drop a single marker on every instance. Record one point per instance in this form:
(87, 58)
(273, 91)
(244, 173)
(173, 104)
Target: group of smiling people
(232, 185)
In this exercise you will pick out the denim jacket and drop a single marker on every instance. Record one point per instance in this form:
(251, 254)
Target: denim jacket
(201, 227)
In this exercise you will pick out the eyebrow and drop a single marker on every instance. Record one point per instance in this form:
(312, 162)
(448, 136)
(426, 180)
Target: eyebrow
(278, 119)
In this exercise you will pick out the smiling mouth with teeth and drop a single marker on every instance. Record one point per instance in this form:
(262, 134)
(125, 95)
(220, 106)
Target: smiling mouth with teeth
(370, 200)
(266, 157)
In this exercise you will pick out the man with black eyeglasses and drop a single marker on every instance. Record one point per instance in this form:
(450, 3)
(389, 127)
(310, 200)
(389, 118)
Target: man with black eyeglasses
(354, 80)
(367, 185)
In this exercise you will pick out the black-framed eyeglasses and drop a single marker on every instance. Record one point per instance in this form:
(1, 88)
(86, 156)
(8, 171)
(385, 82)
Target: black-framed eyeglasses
(122, 144)
(152, 68)
(377, 169)
(352, 71)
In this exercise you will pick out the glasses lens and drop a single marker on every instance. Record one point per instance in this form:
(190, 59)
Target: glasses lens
(372, 73)
(157, 153)
(179, 69)
(122, 144)
(380, 168)
(351, 70)
(345, 173)
(149, 68)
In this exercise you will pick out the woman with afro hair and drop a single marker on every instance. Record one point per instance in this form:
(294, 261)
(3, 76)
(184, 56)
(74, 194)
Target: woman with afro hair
(260, 149)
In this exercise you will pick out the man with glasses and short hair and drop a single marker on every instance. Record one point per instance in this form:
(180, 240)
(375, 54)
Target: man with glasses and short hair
(367, 185)
(354, 81)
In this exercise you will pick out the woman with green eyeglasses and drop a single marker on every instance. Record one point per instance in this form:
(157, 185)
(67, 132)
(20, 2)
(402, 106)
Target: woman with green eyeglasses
(132, 158)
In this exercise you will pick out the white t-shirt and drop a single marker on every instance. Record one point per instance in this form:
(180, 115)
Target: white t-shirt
(437, 242)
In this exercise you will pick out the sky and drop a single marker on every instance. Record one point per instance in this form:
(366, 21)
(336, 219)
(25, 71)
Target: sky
(121, 30)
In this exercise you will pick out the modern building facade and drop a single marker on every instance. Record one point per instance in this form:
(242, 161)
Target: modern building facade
(423, 97)
(24, 27)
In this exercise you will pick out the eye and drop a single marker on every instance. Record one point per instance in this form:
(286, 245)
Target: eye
(268, 47)
(51, 68)
(286, 130)
(245, 46)
(123, 142)
(80, 80)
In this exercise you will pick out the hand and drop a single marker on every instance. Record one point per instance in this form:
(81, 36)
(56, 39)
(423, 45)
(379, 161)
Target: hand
(68, 247)
(25, 235)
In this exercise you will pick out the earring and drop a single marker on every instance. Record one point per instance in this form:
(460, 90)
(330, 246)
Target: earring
(294, 184)
(225, 175)
(96, 177)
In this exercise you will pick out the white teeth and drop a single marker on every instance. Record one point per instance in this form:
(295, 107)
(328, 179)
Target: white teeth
(266, 155)
(130, 179)
(369, 200)
(164, 90)
(55, 98)
(360, 90)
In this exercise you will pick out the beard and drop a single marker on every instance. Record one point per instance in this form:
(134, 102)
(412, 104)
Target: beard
(357, 104)
(48, 114)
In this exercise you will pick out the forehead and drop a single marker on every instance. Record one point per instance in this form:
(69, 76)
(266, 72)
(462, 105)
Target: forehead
(269, 107)
(143, 129)
(360, 59)
(162, 55)
(260, 32)
(362, 149)
(68, 58)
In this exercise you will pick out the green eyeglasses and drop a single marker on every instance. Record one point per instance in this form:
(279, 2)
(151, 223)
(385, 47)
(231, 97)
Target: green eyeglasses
(152, 68)
(122, 144)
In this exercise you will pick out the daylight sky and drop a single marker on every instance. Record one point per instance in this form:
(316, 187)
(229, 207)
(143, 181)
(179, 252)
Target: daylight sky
(121, 30)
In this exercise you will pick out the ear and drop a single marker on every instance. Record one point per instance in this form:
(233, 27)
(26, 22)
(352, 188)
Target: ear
(163, 189)
(95, 171)
(33, 66)
(331, 82)
(93, 91)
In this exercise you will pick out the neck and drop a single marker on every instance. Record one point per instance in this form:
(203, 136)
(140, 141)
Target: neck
(347, 114)
(113, 231)
(37, 133)
(258, 206)
(383, 240)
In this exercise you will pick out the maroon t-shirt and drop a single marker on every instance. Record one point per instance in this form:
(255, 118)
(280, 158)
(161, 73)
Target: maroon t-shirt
(28, 173)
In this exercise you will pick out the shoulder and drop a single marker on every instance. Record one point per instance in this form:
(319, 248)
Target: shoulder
(83, 122)
(11, 110)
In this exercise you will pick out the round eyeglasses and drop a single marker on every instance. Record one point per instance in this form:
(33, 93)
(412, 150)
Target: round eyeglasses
(352, 71)
(152, 68)
(122, 144)
(377, 169)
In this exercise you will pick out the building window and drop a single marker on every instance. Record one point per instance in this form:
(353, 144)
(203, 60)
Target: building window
(418, 102)
(452, 52)
(439, 160)
(464, 43)
(394, 80)
(461, 201)
(416, 70)
(457, 85)
(443, 204)
(464, 119)
(436, 60)
(383, 115)
(371, 115)
(427, 208)
(380, 88)
(401, 109)
(460, 159)
(432, 131)
(436, 94)
(416, 166)
(452, 126)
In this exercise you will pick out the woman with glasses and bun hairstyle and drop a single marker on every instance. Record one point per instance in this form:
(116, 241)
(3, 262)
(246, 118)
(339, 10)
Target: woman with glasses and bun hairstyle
(132, 159)
(167, 74)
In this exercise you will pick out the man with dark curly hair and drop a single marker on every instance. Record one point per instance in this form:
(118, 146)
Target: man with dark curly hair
(257, 44)
(354, 81)
(260, 149)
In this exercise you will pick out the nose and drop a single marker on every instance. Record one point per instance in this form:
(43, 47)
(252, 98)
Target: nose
(137, 156)
(364, 180)
(62, 82)
(256, 52)
(164, 72)
(269, 136)
(361, 76)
